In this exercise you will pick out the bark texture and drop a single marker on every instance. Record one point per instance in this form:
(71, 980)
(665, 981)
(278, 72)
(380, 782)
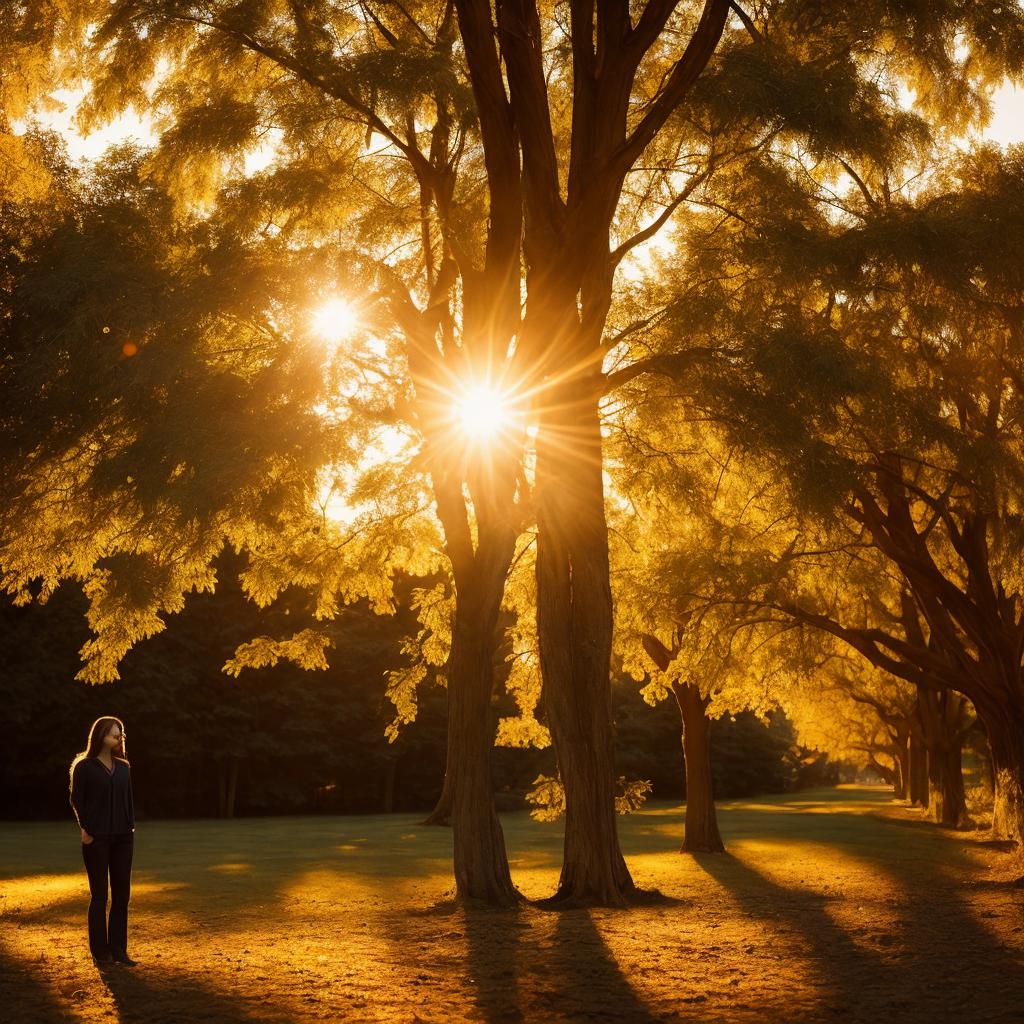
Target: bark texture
(944, 724)
(481, 863)
(574, 617)
(1006, 741)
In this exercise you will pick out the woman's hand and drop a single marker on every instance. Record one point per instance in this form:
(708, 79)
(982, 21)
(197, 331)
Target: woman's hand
(86, 838)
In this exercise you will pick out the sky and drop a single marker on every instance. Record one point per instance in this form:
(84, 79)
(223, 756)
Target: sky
(1007, 123)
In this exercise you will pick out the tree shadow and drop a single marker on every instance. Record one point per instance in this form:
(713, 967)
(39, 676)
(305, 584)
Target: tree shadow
(593, 983)
(563, 959)
(520, 964)
(24, 995)
(142, 996)
(911, 968)
(494, 960)
(850, 969)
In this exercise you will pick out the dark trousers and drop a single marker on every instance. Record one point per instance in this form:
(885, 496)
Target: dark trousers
(109, 855)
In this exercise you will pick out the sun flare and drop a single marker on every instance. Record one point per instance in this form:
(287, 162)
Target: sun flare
(335, 320)
(482, 412)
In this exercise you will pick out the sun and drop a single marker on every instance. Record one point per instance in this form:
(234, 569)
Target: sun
(482, 412)
(335, 320)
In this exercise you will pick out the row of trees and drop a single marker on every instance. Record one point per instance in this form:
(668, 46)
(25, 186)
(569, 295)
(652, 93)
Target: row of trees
(805, 409)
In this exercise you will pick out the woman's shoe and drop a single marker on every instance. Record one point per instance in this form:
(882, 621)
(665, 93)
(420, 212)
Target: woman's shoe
(102, 959)
(124, 958)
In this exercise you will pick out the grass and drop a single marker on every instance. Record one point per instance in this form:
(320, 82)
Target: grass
(836, 905)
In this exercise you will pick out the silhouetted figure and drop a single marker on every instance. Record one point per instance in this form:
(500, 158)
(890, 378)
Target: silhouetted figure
(101, 797)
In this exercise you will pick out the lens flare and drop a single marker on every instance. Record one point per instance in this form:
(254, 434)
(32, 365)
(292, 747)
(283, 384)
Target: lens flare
(335, 320)
(482, 412)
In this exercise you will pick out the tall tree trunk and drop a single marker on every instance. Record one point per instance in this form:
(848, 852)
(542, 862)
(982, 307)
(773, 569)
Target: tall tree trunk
(942, 719)
(938, 762)
(442, 812)
(901, 788)
(481, 863)
(900, 781)
(480, 573)
(954, 798)
(1005, 727)
(574, 625)
(918, 760)
(701, 833)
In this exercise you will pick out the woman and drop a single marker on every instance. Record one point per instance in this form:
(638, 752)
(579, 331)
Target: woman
(101, 797)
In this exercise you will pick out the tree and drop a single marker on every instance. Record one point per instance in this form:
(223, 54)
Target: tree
(683, 514)
(150, 415)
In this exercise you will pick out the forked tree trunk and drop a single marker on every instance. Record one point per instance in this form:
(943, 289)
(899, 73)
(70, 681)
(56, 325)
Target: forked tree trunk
(574, 623)
(701, 833)
(569, 272)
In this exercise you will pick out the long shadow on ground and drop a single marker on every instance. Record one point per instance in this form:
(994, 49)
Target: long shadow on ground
(23, 992)
(142, 998)
(559, 956)
(868, 974)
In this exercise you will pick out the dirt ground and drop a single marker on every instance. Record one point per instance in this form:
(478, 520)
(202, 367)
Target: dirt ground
(836, 905)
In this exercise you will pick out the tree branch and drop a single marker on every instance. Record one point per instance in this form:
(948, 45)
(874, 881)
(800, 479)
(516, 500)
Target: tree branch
(674, 365)
(686, 71)
(659, 222)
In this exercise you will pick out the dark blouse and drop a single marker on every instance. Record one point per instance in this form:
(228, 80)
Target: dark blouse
(102, 800)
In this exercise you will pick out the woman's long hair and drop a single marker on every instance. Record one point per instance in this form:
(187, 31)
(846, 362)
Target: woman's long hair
(97, 734)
